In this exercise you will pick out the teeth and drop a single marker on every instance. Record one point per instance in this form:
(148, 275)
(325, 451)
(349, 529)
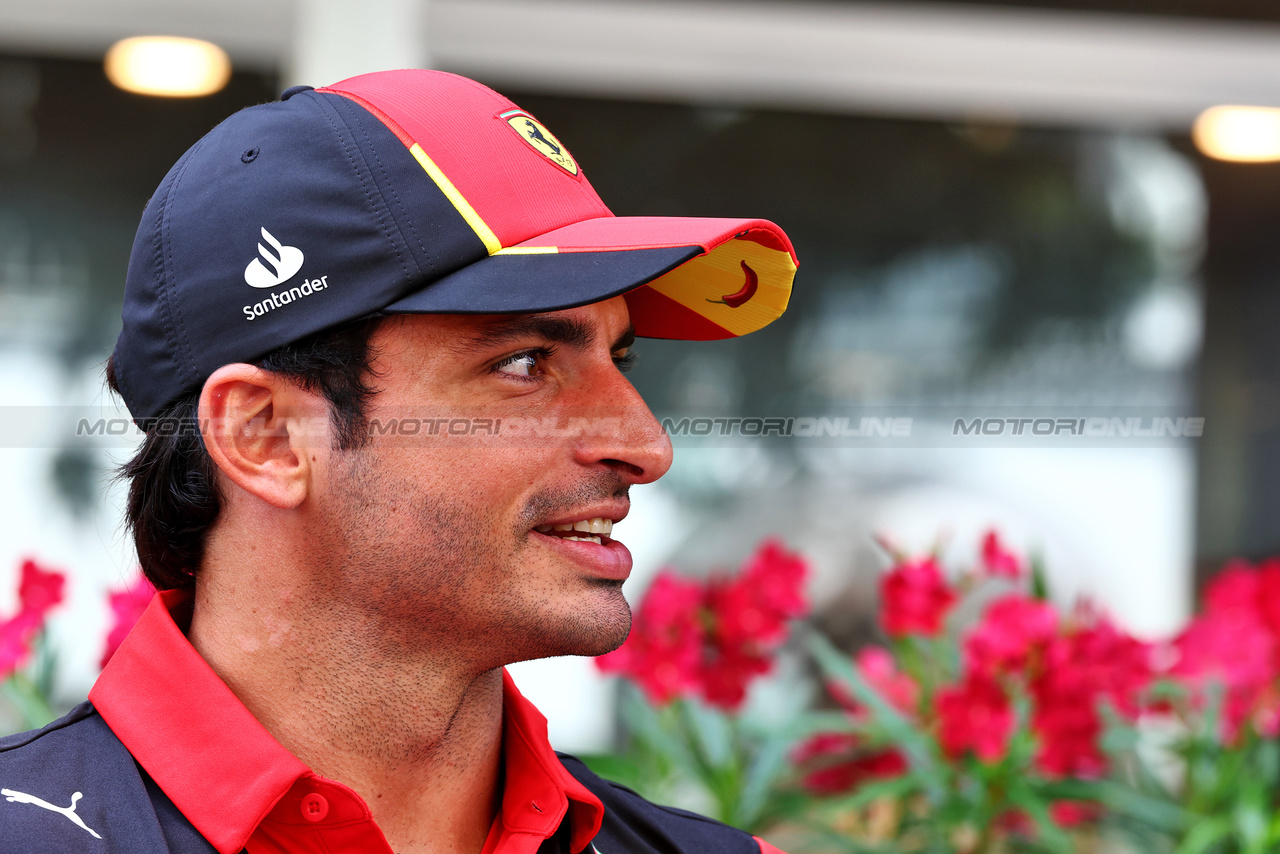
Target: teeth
(595, 540)
(596, 525)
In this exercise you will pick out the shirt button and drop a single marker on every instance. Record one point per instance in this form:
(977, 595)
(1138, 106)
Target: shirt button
(314, 807)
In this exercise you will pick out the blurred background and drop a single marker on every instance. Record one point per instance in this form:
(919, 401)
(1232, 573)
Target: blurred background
(1026, 209)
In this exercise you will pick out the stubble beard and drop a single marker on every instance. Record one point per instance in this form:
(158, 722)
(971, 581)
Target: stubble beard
(443, 572)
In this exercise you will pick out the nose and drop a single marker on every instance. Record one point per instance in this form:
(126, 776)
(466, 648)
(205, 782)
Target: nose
(622, 433)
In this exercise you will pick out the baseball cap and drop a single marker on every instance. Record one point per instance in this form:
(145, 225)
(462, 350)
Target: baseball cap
(407, 191)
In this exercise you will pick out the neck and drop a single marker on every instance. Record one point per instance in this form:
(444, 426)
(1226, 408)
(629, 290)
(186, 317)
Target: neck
(417, 735)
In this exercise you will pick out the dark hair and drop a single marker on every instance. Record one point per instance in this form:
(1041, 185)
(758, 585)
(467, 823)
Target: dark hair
(173, 491)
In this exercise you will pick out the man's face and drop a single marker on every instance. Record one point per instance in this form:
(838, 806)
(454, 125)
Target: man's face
(451, 537)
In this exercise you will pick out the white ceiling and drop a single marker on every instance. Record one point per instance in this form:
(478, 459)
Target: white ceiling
(918, 59)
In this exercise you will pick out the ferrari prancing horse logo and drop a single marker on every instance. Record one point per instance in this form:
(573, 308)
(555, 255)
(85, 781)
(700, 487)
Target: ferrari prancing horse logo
(541, 140)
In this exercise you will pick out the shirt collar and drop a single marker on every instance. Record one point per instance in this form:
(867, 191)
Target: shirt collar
(225, 772)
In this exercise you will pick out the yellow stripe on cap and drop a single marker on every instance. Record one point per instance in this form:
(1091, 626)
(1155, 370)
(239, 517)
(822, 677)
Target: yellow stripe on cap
(478, 225)
(703, 284)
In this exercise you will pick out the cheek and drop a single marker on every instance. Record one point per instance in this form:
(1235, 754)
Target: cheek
(498, 474)
(480, 494)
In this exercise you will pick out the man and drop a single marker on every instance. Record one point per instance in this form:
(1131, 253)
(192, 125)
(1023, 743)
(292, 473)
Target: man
(375, 334)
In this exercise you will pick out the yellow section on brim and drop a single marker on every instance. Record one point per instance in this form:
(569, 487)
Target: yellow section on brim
(714, 285)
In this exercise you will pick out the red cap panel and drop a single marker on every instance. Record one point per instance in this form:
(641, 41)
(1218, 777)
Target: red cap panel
(516, 189)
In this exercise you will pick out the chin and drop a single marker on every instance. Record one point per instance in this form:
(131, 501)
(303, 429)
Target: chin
(589, 629)
(613, 622)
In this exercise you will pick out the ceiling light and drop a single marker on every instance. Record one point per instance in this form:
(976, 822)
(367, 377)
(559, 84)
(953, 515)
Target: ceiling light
(168, 66)
(1240, 134)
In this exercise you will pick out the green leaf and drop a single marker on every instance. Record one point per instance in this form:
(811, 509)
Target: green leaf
(620, 769)
(1156, 812)
(1039, 580)
(712, 732)
(764, 769)
(894, 787)
(1205, 835)
(1251, 825)
(643, 722)
(915, 745)
(1051, 836)
(32, 706)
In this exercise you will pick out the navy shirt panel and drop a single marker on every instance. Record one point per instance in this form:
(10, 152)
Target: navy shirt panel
(41, 772)
(120, 810)
(636, 826)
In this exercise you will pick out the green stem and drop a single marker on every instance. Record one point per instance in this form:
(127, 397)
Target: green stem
(723, 782)
(32, 706)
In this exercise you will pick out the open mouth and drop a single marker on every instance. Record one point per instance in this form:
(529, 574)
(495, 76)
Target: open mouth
(595, 530)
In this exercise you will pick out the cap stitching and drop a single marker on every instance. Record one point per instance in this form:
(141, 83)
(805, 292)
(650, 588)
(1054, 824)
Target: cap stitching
(405, 219)
(328, 114)
(170, 308)
(186, 373)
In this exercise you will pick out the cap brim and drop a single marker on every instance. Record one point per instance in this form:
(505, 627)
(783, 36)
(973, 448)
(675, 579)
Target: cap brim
(683, 277)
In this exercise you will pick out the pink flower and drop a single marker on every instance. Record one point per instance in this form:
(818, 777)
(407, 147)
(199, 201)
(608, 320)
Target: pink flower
(1105, 662)
(39, 589)
(1069, 727)
(748, 618)
(1012, 635)
(976, 716)
(837, 764)
(712, 638)
(1236, 643)
(1073, 813)
(15, 641)
(1233, 590)
(1237, 650)
(663, 652)
(915, 599)
(998, 561)
(726, 673)
(1093, 661)
(127, 605)
(755, 607)
(1268, 598)
(877, 666)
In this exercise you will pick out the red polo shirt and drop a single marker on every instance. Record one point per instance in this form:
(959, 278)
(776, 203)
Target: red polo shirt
(242, 789)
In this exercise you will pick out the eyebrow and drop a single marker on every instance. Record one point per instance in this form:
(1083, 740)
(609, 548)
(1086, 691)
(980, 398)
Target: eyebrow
(557, 330)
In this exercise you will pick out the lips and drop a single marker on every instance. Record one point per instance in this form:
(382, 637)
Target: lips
(588, 543)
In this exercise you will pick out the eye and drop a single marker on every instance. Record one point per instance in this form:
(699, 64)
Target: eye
(625, 360)
(524, 366)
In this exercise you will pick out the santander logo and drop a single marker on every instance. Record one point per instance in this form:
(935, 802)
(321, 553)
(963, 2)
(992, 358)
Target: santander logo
(279, 266)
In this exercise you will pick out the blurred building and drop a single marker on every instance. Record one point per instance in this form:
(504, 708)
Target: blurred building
(999, 212)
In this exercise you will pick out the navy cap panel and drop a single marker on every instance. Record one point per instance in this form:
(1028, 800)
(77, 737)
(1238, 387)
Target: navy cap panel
(513, 283)
(428, 224)
(352, 223)
(150, 358)
(304, 187)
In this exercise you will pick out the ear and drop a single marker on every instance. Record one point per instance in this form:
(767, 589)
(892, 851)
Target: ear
(258, 428)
